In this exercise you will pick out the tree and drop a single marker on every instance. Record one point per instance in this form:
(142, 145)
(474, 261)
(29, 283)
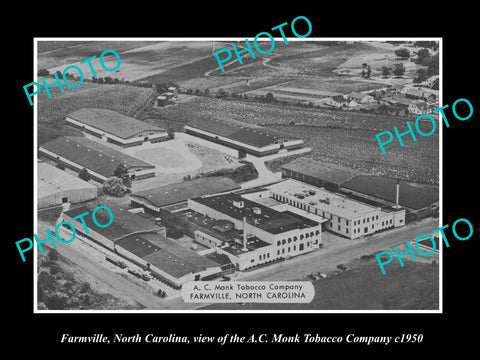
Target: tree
(421, 76)
(369, 72)
(269, 97)
(84, 175)
(108, 80)
(363, 73)
(52, 255)
(364, 65)
(206, 92)
(56, 302)
(171, 133)
(386, 71)
(242, 154)
(398, 70)
(422, 54)
(402, 53)
(43, 72)
(59, 74)
(222, 93)
(114, 186)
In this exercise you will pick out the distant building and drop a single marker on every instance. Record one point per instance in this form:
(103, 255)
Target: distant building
(173, 90)
(176, 195)
(361, 98)
(318, 173)
(162, 100)
(100, 160)
(114, 127)
(255, 140)
(55, 187)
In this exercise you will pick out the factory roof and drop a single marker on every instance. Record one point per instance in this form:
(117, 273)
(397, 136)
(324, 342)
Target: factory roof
(322, 199)
(92, 155)
(414, 196)
(332, 173)
(251, 135)
(51, 180)
(113, 122)
(124, 222)
(258, 215)
(179, 192)
(165, 254)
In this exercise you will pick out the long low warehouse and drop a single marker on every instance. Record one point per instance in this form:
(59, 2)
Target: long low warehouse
(100, 160)
(138, 240)
(55, 187)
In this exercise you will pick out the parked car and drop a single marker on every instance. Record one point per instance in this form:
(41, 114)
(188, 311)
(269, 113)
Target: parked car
(321, 275)
(313, 277)
(119, 263)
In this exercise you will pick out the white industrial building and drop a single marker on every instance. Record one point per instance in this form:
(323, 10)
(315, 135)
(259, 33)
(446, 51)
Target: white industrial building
(55, 187)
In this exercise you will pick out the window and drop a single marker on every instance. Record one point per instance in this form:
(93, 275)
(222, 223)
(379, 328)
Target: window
(338, 227)
(383, 223)
(278, 252)
(278, 243)
(401, 221)
(260, 257)
(268, 255)
(390, 221)
(295, 238)
(301, 247)
(347, 222)
(312, 234)
(301, 236)
(346, 230)
(364, 220)
(307, 235)
(252, 260)
(283, 251)
(289, 240)
(365, 229)
(64, 199)
(294, 247)
(377, 217)
(373, 226)
(283, 242)
(317, 232)
(288, 249)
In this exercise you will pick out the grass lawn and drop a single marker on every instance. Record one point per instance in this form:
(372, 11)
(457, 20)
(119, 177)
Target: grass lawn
(413, 287)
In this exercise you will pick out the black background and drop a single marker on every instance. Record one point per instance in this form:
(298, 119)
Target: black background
(452, 329)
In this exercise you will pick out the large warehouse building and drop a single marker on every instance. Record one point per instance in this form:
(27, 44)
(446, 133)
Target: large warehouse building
(317, 173)
(255, 140)
(249, 233)
(139, 241)
(175, 196)
(115, 128)
(100, 160)
(55, 187)
(383, 190)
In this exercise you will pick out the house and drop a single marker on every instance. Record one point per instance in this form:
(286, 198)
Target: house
(430, 81)
(418, 107)
(162, 100)
(335, 101)
(173, 90)
(416, 93)
(360, 98)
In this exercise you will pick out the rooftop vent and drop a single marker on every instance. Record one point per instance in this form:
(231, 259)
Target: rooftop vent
(257, 210)
(239, 204)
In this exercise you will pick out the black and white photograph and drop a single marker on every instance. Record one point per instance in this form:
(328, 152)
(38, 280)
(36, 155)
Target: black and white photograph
(265, 167)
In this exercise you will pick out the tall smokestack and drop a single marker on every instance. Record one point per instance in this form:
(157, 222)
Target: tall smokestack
(244, 233)
(397, 200)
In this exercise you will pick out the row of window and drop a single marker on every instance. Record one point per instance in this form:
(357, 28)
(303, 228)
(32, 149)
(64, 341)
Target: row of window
(357, 222)
(295, 238)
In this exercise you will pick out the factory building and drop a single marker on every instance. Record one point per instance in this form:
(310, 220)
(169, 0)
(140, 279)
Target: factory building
(100, 160)
(249, 233)
(174, 196)
(346, 216)
(115, 128)
(140, 241)
(317, 173)
(55, 187)
(255, 140)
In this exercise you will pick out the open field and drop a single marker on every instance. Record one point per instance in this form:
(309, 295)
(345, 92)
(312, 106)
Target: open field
(413, 287)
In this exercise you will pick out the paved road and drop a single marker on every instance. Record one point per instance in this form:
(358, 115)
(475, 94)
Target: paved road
(91, 266)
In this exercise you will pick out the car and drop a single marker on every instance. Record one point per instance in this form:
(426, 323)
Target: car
(321, 275)
(313, 277)
(122, 265)
(226, 278)
(342, 267)
(145, 277)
